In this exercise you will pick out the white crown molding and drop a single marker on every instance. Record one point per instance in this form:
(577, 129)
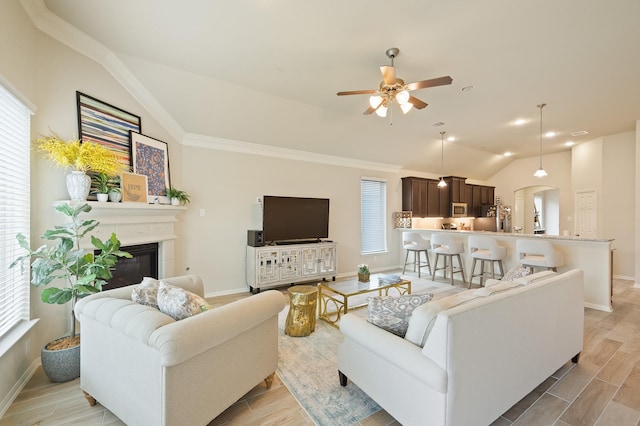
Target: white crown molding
(69, 35)
(209, 142)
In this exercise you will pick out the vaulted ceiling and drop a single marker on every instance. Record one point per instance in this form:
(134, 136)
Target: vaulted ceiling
(267, 72)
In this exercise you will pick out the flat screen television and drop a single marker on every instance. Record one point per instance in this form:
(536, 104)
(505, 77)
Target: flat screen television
(294, 218)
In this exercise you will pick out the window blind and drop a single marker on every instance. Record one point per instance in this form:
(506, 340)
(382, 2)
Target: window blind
(14, 207)
(373, 206)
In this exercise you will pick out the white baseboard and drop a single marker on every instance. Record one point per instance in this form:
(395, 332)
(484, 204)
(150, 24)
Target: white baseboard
(18, 386)
(598, 307)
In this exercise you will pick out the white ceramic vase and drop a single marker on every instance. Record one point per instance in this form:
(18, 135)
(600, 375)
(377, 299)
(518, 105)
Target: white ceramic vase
(78, 185)
(103, 198)
(175, 201)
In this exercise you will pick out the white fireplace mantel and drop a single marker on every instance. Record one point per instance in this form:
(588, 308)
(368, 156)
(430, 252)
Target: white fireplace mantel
(136, 223)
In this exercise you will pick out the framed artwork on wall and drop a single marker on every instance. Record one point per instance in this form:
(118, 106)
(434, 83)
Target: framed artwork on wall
(151, 158)
(133, 188)
(107, 125)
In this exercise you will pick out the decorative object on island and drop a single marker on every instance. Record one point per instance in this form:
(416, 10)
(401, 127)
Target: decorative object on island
(150, 157)
(363, 273)
(81, 158)
(82, 273)
(134, 187)
(107, 125)
(177, 197)
(402, 219)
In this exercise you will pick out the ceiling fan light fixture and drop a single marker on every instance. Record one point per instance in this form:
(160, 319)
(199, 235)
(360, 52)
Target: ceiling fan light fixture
(381, 111)
(403, 97)
(375, 100)
(406, 107)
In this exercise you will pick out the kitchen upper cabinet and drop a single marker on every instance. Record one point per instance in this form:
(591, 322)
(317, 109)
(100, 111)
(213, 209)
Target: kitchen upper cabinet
(414, 196)
(456, 187)
(424, 198)
(433, 198)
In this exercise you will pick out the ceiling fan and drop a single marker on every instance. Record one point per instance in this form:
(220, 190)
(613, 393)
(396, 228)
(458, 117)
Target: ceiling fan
(392, 88)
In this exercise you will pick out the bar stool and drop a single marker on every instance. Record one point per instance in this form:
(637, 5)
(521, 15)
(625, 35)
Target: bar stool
(485, 249)
(538, 254)
(415, 243)
(447, 246)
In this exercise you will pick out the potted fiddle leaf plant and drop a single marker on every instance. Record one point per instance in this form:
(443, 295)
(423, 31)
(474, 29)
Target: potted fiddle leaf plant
(76, 271)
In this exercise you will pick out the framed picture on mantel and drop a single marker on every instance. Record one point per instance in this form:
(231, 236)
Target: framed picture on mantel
(106, 125)
(133, 187)
(151, 158)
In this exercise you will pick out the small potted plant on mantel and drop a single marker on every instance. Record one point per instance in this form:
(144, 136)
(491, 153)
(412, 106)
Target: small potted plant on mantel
(80, 273)
(177, 196)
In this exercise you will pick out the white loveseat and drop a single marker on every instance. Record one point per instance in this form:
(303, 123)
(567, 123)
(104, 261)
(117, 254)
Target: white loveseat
(149, 369)
(480, 358)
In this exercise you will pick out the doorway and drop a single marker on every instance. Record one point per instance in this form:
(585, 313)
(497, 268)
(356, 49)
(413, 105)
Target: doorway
(537, 210)
(586, 214)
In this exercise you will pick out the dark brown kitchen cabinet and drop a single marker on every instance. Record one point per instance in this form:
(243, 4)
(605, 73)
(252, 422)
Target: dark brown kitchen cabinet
(433, 198)
(414, 196)
(487, 194)
(456, 187)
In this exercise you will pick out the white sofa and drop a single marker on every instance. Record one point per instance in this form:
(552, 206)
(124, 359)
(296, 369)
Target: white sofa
(149, 369)
(480, 358)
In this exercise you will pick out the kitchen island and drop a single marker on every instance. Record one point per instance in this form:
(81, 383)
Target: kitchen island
(593, 256)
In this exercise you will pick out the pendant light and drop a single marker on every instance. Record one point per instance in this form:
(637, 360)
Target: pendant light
(442, 183)
(540, 172)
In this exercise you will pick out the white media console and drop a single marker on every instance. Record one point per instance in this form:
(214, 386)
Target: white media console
(273, 266)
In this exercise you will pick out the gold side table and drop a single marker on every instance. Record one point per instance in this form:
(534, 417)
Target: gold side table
(301, 320)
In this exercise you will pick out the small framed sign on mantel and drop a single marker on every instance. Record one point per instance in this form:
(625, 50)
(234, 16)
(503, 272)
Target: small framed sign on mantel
(134, 187)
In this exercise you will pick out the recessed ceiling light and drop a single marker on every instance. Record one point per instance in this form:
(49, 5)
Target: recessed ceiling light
(549, 134)
(569, 143)
(579, 133)
(451, 138)
(467, 88)
(519, 121)
(508, 154)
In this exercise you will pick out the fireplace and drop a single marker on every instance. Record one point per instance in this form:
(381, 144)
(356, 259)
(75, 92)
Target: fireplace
(144, 263)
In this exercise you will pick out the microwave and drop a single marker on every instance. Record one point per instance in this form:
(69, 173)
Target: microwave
(459, 210)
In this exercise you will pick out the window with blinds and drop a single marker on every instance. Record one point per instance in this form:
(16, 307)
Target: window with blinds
(14, 208)
(373, 207)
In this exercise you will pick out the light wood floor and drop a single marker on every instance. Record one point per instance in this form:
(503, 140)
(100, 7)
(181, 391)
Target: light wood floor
(603, 389)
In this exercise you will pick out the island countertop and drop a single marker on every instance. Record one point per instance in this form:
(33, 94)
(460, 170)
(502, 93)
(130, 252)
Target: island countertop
(592, 255)
(512, 234)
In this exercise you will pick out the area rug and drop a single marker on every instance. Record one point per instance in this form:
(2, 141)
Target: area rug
(308, 367)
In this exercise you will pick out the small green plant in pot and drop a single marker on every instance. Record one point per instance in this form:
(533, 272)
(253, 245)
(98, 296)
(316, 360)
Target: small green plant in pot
(79, 272)
(177, 196)
(100, 185)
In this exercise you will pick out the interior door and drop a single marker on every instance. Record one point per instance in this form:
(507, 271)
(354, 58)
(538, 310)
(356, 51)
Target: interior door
(586, 214)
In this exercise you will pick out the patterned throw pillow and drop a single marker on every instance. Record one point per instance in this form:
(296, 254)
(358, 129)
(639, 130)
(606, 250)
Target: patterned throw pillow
(146, 293)
(392, 313)
(179, 303)
(515, 273)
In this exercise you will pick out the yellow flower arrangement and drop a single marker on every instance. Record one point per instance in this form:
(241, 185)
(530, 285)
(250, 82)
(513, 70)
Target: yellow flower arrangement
(85, 157)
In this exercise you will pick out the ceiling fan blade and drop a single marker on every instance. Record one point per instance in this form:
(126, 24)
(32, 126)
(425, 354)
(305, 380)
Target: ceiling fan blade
(440, 81)
(388, 75)
(358, 92)
(417, 103)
